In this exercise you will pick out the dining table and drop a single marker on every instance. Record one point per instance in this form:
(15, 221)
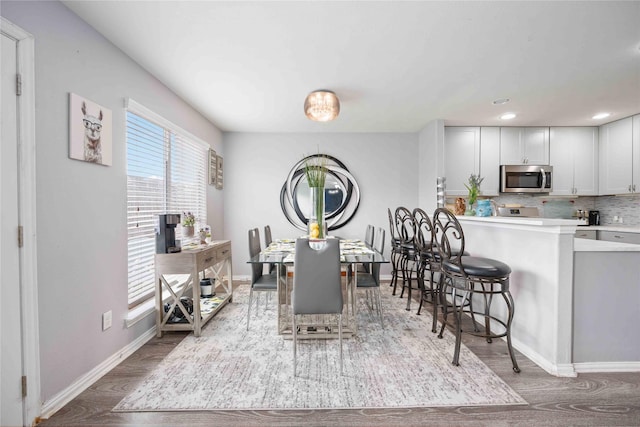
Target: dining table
(281, 252)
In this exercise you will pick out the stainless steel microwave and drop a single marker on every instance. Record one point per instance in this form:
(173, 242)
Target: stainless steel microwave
(526, 179)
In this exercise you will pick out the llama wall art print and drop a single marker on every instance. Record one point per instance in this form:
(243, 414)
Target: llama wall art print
(90, 131)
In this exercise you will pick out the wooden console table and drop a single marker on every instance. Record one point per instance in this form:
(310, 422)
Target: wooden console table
(214, 261)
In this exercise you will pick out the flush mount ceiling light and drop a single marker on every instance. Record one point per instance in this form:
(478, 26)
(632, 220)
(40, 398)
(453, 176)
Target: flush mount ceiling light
(601, 116)
(507, 116)
(322, 106)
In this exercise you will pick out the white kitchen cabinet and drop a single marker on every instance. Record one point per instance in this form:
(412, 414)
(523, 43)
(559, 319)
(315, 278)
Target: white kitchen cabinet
(461, 158)
(581, 233)
(524, 146)
(490, 161)
(617, 236)
(472, 150)
(573, 153)
(620, 156)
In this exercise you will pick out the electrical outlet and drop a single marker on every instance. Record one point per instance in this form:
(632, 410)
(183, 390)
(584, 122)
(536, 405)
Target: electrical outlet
(106, 320)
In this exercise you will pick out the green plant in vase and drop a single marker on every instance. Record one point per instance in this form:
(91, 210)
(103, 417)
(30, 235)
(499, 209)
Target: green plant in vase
(474, 191)
(315, 170)
(188, 222)
(188, 219)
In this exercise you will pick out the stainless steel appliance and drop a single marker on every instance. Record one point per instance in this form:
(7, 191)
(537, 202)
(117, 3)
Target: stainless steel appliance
(520, 211)
(526, 179)
(166, 234)
(594, 217)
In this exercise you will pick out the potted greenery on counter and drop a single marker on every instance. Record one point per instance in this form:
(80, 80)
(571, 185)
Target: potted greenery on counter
(474, 191)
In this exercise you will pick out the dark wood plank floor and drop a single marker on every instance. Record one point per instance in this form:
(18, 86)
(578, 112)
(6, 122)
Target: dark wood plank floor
(599, 399)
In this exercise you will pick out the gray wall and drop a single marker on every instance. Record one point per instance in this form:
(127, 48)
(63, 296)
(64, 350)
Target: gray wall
(81, 207)
(256, 165)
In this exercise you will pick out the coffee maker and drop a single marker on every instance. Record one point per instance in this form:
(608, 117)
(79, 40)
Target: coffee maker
(166, 234)
(594, 217)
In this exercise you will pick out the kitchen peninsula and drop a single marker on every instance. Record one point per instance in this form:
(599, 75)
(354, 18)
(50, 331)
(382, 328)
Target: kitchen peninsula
(548, 272)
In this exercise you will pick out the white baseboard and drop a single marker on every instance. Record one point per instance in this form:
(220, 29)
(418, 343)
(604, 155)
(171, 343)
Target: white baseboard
(558, 370)
(585, 367)
(58, 401)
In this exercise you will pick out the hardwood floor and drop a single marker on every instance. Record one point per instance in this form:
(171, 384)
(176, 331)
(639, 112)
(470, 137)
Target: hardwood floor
(600, 399)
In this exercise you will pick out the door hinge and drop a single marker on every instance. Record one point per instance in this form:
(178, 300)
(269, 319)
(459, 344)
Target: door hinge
(24, 386)
(18, 84)
(20, 236)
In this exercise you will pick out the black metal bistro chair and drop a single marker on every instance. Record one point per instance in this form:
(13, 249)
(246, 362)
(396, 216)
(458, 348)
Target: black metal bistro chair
(406, 231)
(429, 275)
(470, 276)
(395, 251)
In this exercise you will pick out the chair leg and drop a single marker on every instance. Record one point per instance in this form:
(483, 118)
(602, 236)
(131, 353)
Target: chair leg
(456, 352)
(487, 316)
(379, 302)
(394, 272)
(510, 308)
(339, 339)
(249, 308)
(437, 295)
(409, 271)
(294, 331)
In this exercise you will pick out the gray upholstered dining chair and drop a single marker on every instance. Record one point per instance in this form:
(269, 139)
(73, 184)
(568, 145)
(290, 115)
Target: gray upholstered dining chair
(259, 281)
(370, 282)
(317, 286)
(368, 240)
(267, 241)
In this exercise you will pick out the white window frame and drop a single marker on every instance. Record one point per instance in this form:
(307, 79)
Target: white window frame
(144, 306)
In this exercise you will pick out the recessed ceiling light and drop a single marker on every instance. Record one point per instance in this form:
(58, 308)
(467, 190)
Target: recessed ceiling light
(501, 101)
(507, 116)
(601, 116)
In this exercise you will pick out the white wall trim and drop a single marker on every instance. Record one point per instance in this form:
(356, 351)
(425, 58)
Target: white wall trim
(58, 401)
(558, 370)
(27, 208)
(607, 367)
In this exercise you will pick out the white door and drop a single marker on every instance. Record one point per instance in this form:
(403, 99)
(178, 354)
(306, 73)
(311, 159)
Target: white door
(11, 411)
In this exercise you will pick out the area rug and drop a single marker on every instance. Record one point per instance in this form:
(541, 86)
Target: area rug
(402, 365)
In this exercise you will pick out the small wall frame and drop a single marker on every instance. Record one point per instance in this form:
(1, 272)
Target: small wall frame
(219, 170)
(213, 167)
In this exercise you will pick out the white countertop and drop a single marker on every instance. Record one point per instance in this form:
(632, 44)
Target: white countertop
(589, 245)
(544, 222)
(548, 222)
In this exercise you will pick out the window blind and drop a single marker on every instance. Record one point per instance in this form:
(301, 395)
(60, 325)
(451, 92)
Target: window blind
(166, 173)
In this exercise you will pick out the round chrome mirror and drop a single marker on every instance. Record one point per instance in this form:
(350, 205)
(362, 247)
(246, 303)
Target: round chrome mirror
(342, 195)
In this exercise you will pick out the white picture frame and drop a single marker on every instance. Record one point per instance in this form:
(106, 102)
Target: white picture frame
(90, 131)
(219, 169)
(213, 167)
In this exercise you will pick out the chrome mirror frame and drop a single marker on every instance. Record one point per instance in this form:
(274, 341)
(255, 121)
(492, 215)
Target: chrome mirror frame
(295, 191)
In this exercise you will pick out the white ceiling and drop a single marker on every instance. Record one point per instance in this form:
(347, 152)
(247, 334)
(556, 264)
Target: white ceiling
(395, 65)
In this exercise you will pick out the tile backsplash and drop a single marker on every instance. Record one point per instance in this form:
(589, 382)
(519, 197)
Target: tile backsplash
(625, 208)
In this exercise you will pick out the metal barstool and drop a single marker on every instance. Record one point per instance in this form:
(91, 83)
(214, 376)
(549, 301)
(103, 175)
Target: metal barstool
(468, 276)
(406, 231)
(428, 263)
(395, 251)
